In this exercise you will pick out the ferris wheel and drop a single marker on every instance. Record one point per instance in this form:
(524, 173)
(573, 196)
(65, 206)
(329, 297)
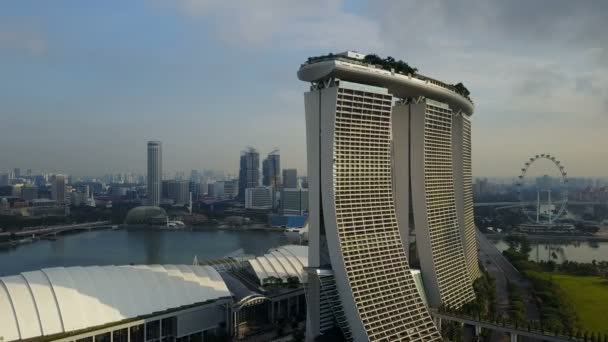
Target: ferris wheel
(554, 209)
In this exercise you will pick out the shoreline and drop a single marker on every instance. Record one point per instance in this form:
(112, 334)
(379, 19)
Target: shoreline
(254, 227)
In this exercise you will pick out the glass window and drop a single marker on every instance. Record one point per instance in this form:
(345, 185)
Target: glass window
(152, 330)
(168, 326)
(86, 339)
(121, 335)
(137, 333)
(196, 337)
(103, 337)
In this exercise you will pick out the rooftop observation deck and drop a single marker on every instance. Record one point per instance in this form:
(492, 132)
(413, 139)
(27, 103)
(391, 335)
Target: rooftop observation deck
(398, 84)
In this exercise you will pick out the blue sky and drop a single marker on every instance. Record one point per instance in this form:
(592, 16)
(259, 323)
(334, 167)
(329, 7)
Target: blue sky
(84, 85)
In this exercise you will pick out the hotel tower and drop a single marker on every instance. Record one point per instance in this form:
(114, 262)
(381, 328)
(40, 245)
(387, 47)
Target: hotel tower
(381, 143)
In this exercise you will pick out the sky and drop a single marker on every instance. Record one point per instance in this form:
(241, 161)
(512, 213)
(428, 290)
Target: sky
(85, 84)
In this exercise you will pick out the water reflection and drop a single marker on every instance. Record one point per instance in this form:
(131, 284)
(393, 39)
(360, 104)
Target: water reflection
(560, 251)
(137, 247)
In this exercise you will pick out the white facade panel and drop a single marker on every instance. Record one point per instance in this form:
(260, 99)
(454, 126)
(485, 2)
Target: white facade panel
(108, 294)
(45, 302)
(67, 298)
(9, 330)
(27, 315)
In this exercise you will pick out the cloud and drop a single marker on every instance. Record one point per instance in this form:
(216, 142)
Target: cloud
(22, 40)
(313, 24)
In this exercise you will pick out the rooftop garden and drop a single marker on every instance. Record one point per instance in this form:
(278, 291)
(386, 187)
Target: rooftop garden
(390, 64)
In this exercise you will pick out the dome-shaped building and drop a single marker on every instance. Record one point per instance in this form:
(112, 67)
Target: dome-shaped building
(146, 215)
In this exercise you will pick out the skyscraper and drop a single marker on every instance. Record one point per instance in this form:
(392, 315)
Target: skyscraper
(249, 171)
(365, 128)
(155, 164)
(178, 191)
(58, 189)
(271, 169)
(290, 178)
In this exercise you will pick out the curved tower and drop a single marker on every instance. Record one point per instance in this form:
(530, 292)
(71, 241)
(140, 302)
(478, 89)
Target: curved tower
(364, 127)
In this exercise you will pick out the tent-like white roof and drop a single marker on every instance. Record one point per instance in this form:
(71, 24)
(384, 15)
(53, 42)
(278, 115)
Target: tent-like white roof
(283, 262)
(57, 300)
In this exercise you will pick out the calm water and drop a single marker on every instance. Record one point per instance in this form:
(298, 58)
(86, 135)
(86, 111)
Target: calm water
(581, 251)
(119, 247)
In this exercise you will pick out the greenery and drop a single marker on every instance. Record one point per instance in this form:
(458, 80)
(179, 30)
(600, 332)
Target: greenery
(462, 90)
(589, 296)
(272, 282)
(517, 307)
(484, 305)
(556, 310)
(391, 64)
(293, 282)
(452, 331)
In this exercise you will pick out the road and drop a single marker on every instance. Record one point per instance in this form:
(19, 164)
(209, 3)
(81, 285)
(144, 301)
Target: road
(504, 272)
(51, 229)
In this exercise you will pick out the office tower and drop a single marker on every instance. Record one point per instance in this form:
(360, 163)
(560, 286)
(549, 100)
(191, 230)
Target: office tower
(29, 192)
(195, 176)
(259, 198)
(155, 170)
(294, 201)
(249, 171)
(17, 172)
(290, 178)
(4, 179)
(367, 125)
(271, 169)
(178, 191)
(58, 189)
(231, 189)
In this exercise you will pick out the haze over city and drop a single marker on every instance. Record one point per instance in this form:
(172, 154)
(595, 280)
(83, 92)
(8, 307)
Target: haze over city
(91, 83)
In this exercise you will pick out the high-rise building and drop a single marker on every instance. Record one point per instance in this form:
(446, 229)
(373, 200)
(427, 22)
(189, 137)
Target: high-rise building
(271, 169)
(290, 178)
(249, 171)
(155, 171)
(366, 126)
(58, 189)
(178, 191)
(294, 201)
(231, 189)
(29, 192)
(259, 198)
(439, 224)
(4, 179)
(17, 172)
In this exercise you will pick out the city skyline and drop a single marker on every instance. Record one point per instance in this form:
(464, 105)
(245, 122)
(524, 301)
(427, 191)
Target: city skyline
(131, 89)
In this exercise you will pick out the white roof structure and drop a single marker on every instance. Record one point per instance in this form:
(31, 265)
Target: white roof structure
(283, 262)
(58, 300)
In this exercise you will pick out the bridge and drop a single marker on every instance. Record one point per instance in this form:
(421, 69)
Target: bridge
(513, 330)
(53, 230)
(516, 204)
